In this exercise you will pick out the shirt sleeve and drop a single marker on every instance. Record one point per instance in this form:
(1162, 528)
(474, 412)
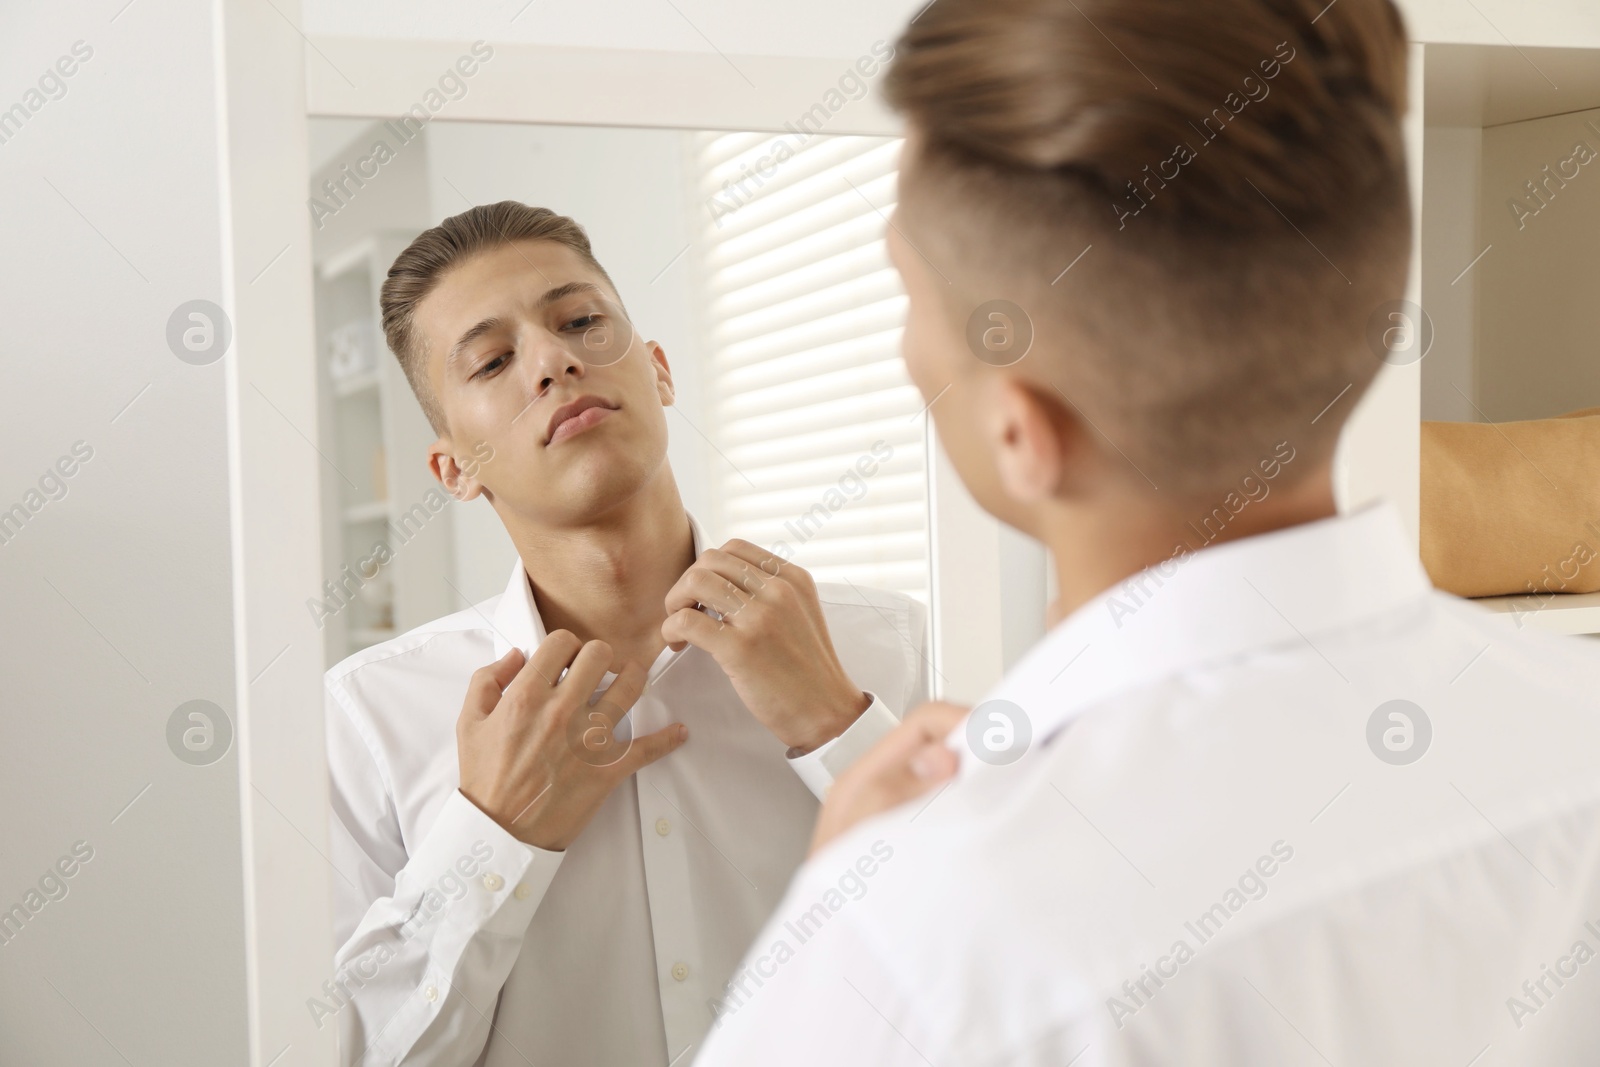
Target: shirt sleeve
(425, 940)
(819, 767)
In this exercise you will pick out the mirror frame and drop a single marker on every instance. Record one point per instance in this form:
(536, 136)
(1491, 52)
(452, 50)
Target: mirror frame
(290, 80)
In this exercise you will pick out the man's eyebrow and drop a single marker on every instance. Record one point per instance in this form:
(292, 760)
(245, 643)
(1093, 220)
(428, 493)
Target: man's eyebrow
(550, 297)
(569, 289)
(470, 336)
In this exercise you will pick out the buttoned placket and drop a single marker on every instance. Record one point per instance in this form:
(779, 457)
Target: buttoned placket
(685, 1001)
(662, 832)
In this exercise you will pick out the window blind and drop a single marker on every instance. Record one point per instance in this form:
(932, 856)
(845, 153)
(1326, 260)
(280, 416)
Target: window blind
(822, 433)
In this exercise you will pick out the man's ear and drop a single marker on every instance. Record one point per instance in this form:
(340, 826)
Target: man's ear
(1035, 442)
(663, 370)
(458, 474)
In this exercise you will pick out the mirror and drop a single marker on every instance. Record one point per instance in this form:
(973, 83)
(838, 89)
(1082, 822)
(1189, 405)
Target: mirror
(755, 259)
(757, 263)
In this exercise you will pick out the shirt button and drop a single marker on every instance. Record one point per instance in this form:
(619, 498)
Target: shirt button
(432, 993)
(523, 891)
(680, 971)
(492, 882)
(663, 827)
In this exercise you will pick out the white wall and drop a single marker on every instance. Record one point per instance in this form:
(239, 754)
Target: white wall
(118, 595)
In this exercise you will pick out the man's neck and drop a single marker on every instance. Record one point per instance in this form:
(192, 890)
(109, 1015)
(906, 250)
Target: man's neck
(1094, 549)
(608, 580)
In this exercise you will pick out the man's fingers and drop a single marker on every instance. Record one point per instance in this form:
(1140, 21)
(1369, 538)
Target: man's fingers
(488, 682)
(936, 719)
(588, 667)
(769, 565)
(903, 766)
(748, 575)
(922, 759)
(681, 596)
(690, 627)
(554, 655)
(622, 693)
(909, 757)
(925, 767)
(701, 584)
(921, 726)
(651, 747)
(934, 762)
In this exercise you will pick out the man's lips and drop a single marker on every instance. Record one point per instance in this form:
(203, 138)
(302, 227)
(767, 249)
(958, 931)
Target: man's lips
(576, 417)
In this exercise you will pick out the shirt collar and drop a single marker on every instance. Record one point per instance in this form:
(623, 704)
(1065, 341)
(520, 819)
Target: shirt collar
(1278, 588)
(516, 618)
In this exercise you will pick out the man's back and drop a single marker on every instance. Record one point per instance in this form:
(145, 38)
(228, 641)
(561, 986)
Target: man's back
(1226, 848)
(1263, 797)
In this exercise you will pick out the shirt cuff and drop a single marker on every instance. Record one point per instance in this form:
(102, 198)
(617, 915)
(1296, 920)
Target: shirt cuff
(819, 767)
(502, 880)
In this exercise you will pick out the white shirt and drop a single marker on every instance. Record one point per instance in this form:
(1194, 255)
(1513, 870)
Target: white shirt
(609, 953)
(1201, 860)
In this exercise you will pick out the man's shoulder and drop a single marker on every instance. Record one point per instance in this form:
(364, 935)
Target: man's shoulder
(446, 644)
(848, 599)
(1225, 810)
(880, 637)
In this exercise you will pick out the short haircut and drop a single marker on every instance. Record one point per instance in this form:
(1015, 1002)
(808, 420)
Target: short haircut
(417, 270)
(1236, 171)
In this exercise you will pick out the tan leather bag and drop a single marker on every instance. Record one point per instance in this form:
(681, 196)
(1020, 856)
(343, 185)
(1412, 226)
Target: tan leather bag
(1512, 507)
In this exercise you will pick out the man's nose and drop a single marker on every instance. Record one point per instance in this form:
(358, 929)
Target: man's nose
(551, 363)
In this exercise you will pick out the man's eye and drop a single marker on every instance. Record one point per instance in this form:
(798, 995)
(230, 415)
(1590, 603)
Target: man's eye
(583, 322)
(490, 367)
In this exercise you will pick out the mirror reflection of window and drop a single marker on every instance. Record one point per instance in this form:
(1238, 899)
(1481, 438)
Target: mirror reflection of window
(762, 273)
(812, 409)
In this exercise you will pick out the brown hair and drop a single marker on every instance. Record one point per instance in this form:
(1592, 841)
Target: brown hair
(417, 270)
(1236, 172)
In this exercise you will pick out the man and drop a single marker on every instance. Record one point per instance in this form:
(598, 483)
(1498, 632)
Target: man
(532, 871)
(1261, 796)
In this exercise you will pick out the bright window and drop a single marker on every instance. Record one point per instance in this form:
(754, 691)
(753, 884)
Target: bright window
(820, 433)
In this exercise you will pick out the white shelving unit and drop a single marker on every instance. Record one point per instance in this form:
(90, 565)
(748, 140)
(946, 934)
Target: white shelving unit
(1577, 613)
(375, 487)
(1512, 295)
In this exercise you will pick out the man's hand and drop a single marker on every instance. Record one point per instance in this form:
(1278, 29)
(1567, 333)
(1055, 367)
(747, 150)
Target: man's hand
(772, 642)
(910, 760)
(534, 754)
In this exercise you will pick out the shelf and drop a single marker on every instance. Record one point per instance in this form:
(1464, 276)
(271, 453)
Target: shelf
(360, 383)
(1492, 85)
(372, 253)
(1564, 613)
(357, 255)
(371, 511)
